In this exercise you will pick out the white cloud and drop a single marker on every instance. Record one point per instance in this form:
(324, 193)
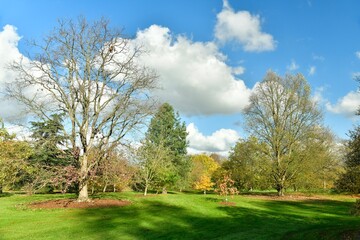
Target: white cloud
(220, 141)
(193, 75)
(244, 28)
(9, 52)
(293, 66)
(355, 75)
(10, 109)
(312, 70)
(21, 132)
(357, 54)
(238, 70)
(347, 105)
(318, 96)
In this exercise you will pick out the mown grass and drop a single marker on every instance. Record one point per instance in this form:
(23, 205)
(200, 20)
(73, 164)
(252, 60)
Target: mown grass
(180, 216)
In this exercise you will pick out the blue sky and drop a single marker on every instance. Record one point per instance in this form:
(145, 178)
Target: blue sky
(210, 53)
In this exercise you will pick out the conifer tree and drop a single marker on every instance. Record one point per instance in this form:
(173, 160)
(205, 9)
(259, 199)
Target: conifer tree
(167, 129)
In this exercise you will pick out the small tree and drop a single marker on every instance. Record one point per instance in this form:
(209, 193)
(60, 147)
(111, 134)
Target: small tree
(114, 171)
(202, 169)
(225, 186)
(204, 184)
(154, 166)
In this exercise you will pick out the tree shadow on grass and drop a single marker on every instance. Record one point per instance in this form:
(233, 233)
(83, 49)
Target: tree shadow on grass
(318, 219)
(263, 220)
(6, 194)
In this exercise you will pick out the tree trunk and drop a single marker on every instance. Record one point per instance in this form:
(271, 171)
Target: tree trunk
(164, 191)
(104, 189)
(280, 189)
(1, 190)
(280, 185)
(83, 193)
(204, 192)
(146, 189)
(83, 185)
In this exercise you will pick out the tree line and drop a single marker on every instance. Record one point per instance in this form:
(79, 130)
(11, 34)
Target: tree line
(87, 93)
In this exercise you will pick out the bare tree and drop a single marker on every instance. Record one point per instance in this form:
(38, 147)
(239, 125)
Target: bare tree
(282, 114)
(90, 73)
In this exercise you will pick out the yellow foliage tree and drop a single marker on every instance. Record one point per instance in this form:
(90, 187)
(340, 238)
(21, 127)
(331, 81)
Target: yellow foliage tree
(204, 184)
(203, 167)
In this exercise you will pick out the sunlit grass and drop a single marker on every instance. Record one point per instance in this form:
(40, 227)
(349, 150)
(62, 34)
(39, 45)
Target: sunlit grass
(179, 216)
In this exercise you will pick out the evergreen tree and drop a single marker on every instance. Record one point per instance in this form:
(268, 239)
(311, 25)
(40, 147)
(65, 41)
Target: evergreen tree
(49, 142)
(350, 180)
(167, 129)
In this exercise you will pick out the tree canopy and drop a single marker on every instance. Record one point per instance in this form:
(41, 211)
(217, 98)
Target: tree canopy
(282, 114)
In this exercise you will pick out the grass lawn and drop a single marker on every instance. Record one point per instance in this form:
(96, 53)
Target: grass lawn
(180, 216)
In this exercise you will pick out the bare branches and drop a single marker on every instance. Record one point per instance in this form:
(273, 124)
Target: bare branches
(89, 72)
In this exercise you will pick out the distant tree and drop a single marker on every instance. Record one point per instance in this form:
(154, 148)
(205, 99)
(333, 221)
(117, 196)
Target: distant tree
(15, 171)
(349, 181)
(204, 183)
(166, 129)
(155, 168)
(281, 115)
(249, 167)
(218, 158)
(113, 171)
(89, 74)
(202, 169)
(322, 161)
(50, 142)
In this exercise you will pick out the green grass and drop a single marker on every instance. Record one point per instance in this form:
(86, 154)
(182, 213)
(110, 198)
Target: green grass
(179, 216)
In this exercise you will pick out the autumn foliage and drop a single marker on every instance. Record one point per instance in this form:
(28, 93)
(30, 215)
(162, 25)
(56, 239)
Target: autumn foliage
(225, 187)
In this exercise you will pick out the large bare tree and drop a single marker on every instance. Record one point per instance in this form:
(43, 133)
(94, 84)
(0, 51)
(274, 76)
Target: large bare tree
(91, 73)
(282, 114)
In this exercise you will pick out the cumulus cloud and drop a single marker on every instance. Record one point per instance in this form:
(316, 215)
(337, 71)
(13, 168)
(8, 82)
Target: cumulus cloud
(347, 105)
(312, 70)
(193, 75)
(244, 28)
(9, 39)
(293, 66)
(219, 141)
